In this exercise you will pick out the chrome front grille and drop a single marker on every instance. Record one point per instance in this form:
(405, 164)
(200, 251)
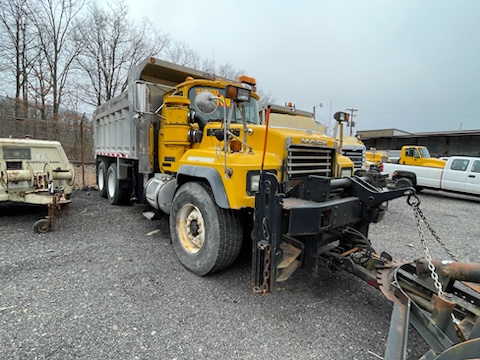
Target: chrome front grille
(309, 160)
(356, 156)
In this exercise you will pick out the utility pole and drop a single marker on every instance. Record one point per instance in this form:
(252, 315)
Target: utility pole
(352, 115)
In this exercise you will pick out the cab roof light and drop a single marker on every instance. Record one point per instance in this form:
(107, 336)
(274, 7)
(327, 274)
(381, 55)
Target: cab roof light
(341, 116)
(237, 93)
(247, 80)
(290, 105)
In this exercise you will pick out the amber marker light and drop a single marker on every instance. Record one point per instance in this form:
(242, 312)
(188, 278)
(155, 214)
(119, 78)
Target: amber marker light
(232, 92)
(247, 80)
(235, 146)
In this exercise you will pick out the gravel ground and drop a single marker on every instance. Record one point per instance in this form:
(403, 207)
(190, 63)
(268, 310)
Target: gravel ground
(107, 285)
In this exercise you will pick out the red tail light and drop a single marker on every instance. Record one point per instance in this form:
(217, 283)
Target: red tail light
(381, 167)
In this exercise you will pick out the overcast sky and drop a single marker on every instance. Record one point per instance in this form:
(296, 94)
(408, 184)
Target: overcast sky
(406, 64)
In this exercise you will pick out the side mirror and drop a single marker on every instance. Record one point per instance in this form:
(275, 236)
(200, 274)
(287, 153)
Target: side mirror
(141, 96)
(206, 102)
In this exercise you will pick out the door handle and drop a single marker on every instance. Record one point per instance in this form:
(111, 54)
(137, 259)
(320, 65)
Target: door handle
(472, 176)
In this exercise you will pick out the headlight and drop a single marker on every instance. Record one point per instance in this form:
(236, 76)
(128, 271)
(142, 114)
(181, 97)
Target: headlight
(346, 172)
(253, 181)
(253, 184)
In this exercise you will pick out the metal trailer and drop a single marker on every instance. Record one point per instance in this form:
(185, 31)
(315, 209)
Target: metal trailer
(36, 172)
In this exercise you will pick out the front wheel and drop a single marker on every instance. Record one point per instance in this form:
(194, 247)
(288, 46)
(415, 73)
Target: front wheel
(205, 237)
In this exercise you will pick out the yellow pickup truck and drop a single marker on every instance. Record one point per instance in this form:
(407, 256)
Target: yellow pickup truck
(419, 156)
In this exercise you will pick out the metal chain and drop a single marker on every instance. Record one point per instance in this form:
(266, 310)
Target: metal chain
(434, 234)
(426, 250)
(419, 216)
(267, 257)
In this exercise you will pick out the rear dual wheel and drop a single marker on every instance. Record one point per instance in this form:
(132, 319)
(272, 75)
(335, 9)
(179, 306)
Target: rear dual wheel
(205, 237)
(115, 194)
(102, 178)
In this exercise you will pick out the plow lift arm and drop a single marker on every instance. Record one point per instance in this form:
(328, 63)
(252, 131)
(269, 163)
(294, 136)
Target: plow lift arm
(323, 223)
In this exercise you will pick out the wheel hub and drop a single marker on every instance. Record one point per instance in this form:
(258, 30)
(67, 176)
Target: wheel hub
(111, 185)
(191, 228)
(101, 181)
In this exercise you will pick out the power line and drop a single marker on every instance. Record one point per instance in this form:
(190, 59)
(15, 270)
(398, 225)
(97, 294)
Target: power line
(416, 114)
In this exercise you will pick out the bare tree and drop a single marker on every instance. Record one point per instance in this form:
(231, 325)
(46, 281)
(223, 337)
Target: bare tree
(112, 45)
(181, 54)
(54, 22)
(208, 66)
(227, 71)
(266, 97)
(15, 42)
(40, 83)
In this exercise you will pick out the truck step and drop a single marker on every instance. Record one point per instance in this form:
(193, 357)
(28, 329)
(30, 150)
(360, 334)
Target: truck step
(290, 254)
(288, 271)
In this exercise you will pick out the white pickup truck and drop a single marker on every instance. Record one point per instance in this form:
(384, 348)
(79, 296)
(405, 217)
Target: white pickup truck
(460, 174)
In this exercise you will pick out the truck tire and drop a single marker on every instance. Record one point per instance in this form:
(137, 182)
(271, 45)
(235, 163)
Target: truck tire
(102, 178)
(205, 237)
(116, 195)
(403, 183)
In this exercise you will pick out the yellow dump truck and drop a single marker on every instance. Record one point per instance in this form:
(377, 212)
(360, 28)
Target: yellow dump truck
(192, 146)
(35, 172)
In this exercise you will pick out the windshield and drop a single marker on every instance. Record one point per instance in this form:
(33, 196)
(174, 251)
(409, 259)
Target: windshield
(251, 107)
(424, 153)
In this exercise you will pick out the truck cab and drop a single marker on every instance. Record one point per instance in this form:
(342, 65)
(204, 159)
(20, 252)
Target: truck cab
(351, 147)
(375, 158)
(419, 156)
(354, 149)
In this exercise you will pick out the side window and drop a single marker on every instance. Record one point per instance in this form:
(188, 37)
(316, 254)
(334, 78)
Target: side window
(415, 153)
(459, 164)
(13, 153)
(409, 152)
(476, 166)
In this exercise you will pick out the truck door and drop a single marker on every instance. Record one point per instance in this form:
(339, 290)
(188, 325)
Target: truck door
(472, 184)
(409, 157)
(455, 176)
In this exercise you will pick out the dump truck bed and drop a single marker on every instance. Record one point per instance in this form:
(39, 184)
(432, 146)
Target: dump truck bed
(115, 129)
